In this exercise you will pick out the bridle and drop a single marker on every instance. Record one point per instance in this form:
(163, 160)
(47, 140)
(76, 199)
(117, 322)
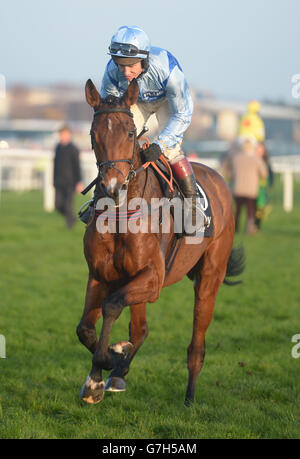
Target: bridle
(104, 166)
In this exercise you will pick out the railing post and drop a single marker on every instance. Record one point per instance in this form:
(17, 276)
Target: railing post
(288, 190)
(48, 186)
(2, 347)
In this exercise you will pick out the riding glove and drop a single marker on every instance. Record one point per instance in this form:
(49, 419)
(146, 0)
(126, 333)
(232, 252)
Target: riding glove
(152, 153)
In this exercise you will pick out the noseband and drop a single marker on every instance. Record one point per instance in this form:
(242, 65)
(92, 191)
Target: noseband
(104, 166)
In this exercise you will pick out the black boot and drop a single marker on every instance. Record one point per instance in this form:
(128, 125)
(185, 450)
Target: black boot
(186, 180)
(85, 213)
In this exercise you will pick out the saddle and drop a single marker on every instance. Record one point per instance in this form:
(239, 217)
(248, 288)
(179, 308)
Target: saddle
(173, 191)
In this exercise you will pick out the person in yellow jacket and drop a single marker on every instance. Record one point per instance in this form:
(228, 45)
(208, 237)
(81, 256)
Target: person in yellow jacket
(251, 124)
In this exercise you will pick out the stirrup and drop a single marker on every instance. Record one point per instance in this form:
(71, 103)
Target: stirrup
(201, 194)
(198, 207)
(206, 219)
(85, 215)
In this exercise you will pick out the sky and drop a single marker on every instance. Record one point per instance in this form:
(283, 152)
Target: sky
(236, 49)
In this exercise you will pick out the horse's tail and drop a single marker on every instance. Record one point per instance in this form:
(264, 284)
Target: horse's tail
(236, 265)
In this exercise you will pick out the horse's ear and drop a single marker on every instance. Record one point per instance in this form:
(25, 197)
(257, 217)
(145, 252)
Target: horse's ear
(92, 95)
(131, 95)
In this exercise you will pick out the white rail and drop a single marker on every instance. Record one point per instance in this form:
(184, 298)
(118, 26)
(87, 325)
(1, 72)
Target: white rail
(23, 169)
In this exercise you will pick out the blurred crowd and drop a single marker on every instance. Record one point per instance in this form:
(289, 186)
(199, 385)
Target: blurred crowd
(247, 168)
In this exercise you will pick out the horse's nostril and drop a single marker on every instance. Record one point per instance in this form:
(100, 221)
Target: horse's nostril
(103, 188)
(114, 194)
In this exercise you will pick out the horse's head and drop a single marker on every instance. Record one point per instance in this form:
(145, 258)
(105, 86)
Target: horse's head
(113, 135)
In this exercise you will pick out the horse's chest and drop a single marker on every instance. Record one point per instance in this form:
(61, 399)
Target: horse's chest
(116, 262)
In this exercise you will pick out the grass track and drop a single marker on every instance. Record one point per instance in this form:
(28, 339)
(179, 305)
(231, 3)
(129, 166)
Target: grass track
(249, 385)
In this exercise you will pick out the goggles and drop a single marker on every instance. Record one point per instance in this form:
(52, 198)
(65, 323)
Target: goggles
(126, 49)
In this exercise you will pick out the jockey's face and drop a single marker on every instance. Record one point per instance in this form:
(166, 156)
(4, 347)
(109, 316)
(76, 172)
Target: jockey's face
(131, 71)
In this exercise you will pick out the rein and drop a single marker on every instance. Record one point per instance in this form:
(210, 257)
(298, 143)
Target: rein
(163, 160)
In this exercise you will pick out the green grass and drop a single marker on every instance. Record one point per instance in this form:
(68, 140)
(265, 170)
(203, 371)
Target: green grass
(248, 387)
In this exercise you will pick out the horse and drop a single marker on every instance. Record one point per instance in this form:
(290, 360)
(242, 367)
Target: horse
(129, 269)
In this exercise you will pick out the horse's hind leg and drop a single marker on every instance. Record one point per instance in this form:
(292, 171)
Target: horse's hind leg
(207, 284)
(123, 353)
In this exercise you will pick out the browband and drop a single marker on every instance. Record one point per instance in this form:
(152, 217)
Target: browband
(113, 110)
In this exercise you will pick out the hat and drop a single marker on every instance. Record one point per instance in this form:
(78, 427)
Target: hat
(254, 106)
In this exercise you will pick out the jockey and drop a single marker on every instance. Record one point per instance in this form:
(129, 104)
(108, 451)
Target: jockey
(163, 94)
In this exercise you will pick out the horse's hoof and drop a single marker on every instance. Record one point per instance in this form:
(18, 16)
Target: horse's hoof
(92, 391)
(115, 384)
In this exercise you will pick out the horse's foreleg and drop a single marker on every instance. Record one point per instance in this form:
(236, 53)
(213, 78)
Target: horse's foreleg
(96, 292)
(124, 352)
(93, 389)
(145, 287)
(206, 288)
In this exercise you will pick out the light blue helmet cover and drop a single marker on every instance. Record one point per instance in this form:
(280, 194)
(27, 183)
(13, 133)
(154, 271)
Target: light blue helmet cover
(133, 35)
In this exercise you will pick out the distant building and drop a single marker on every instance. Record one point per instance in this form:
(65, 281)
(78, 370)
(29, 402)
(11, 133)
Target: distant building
(282, 122)
(60, 102)
(26, 112)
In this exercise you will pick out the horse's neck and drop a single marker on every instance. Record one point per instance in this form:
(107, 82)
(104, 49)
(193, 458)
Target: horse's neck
(137, 185)
(145, 185)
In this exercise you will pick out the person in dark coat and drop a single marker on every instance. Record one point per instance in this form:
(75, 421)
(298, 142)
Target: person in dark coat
(67, 175)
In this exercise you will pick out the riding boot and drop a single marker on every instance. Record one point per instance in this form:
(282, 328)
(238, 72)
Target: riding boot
(186, 180)
(87, 213)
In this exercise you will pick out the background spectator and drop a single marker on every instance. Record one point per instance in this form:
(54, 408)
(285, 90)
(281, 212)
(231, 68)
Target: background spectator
(247, 169)
(251, 123)
(67, 175)
(263, 207)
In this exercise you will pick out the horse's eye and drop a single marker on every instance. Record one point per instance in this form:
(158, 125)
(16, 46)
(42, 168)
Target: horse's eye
(131, 135)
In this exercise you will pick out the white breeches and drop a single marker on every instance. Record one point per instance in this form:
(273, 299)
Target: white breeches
(155, 115)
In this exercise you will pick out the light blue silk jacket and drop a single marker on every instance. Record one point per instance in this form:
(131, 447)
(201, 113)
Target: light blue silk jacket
(163, 79)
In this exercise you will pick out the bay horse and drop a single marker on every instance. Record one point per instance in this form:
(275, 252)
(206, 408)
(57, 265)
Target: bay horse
(127, 269)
